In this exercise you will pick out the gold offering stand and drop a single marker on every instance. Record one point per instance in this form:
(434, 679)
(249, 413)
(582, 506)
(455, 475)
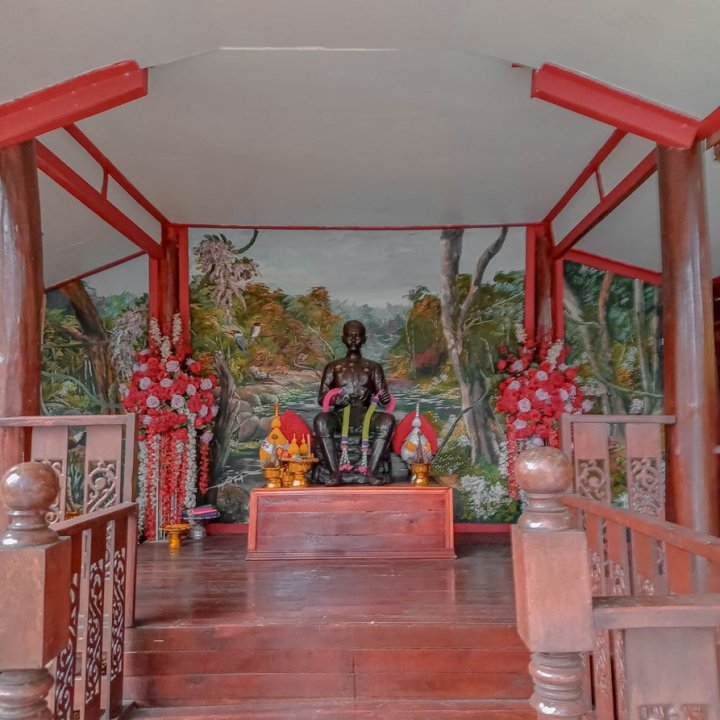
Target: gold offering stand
(292, 472)
(420, 474)
(175, 532)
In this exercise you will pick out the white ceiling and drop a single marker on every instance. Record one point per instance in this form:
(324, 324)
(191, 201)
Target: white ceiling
(359, 112)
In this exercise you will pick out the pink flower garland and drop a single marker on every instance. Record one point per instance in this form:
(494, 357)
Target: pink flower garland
(538, 389)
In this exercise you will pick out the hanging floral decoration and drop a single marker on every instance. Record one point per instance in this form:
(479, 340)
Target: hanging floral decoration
(537, 389)
(172, 395)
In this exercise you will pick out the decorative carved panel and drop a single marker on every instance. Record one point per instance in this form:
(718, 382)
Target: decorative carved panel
(94, 631)
(593, 480)
(671, 712)
(101, 485)
(117, 618)
(646, 486)
(65, 666)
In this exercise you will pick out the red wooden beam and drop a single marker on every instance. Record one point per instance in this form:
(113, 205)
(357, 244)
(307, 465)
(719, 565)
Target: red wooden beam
(710, 128)
(631, 182)
(615, 266)
(100, 269)
(110, 169)
(588, 171)
(72, 100)
(79, 188)
(630, 113)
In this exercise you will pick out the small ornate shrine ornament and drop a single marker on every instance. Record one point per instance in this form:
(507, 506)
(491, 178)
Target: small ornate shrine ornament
(172, 395)
(538, 388)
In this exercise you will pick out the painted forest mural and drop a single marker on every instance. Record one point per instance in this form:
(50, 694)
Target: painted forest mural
(267, 310)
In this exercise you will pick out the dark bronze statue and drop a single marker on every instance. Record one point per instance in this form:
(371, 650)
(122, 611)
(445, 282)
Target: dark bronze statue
(361, 382)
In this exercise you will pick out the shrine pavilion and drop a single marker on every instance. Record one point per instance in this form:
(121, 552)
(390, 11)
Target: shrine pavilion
(215, 188)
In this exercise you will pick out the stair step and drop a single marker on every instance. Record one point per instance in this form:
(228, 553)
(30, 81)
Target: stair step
(347, 710)
(334, 660)
(323, 636)
(195, 689)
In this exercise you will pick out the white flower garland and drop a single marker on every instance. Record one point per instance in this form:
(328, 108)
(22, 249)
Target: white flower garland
(142, 482)
(191, 475)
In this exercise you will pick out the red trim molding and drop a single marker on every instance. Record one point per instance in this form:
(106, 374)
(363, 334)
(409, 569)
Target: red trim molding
(616, 266)
(214, 226)
(629, 113)
(59, 105)
(631, 182)
(79, 188)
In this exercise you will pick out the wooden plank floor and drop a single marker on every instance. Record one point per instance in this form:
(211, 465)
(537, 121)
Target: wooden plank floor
(221, 637)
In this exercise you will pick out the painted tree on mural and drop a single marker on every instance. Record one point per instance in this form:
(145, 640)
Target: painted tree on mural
(471, 355)
(613, 324)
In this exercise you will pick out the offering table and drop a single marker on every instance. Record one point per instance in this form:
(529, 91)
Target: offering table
(383, 522)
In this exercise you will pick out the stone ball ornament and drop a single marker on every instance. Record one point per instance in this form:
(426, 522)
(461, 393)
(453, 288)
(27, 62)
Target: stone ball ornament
(544, 471)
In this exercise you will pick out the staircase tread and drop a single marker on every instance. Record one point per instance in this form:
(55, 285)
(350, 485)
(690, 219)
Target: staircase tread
(339, 709)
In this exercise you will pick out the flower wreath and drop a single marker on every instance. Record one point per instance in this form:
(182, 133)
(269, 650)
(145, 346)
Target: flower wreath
(538, 388)
(172, 395)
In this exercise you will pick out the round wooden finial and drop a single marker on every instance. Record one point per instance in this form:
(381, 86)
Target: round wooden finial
(28, 490)
(543, 470)
(545, 474)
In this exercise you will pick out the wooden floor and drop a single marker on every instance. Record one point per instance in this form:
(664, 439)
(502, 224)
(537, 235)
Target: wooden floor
(221, 638)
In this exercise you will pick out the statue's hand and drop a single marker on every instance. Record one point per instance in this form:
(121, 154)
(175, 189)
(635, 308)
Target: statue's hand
(384, 397)
(341, 400)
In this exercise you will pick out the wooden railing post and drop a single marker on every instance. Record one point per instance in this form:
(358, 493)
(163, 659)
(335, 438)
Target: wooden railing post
(34, 596)
(552, 585)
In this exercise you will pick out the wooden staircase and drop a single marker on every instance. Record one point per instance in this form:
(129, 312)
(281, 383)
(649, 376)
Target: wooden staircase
(392, 639)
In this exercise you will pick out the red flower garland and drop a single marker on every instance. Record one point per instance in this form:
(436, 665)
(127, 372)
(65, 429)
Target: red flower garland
(172, 395)
(538, 389)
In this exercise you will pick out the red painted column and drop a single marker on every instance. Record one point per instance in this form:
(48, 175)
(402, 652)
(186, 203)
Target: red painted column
(541, 285)
(184, 281)
(168, 272)
(689, 353)
(544, 281)
(21, 295)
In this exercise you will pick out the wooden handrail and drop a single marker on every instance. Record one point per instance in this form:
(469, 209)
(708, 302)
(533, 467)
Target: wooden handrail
(64, 420)
(677, 536)
(76, 525)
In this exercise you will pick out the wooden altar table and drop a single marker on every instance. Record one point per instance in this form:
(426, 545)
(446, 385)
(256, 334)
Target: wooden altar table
(387, 522)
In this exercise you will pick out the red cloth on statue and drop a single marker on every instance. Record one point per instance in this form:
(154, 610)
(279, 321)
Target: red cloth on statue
(403, 428)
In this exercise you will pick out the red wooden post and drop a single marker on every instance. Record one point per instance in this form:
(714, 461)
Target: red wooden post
(35, 604)
(544, 281)
(168, 278)
(689, 353)
(21, 298)
(542, 293)
(552, 586)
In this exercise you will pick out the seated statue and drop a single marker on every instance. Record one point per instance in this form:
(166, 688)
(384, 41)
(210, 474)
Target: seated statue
(356, 386)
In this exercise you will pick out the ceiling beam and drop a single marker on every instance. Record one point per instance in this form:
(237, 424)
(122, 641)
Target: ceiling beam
(78, 187)
(67, 102)
(111, 169)
(588, 171)
(615, 266)
(627, 112)
(631, 182)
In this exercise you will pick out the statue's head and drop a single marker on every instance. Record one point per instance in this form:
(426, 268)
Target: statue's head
(353, 336)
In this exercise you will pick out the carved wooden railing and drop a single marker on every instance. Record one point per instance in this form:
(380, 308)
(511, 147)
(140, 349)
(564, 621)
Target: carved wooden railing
(92, 454)
(619, 609)
(586, 440)
(66, 596)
